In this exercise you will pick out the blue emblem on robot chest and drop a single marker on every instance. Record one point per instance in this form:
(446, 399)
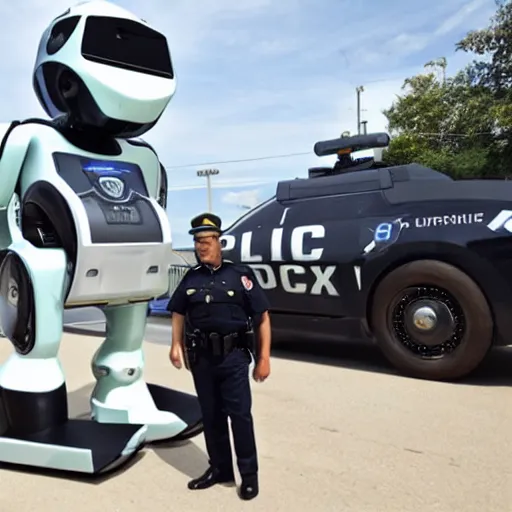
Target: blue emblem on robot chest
(112, 186)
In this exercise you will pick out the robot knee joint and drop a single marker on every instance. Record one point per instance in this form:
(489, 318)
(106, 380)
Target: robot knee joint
(123, 376)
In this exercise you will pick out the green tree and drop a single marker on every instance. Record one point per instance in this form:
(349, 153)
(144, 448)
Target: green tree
(493, 70)
(444, 123)
(461, 125)
(495, 43)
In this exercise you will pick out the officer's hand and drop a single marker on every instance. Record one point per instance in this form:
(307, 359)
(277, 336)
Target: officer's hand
(261, 370)
(176, 357)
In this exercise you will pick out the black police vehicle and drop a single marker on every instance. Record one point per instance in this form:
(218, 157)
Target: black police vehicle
(406, 256)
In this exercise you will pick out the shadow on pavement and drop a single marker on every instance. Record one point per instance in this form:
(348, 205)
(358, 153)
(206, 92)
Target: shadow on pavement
(360, 355)
(185, 457)
(496, 370)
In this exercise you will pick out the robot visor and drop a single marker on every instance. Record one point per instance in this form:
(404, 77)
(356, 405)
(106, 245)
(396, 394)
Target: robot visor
(126, 44)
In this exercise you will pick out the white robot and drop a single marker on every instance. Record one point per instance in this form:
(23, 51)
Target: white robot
(93, 231)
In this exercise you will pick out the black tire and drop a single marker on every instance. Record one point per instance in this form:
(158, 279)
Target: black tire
(467, 333)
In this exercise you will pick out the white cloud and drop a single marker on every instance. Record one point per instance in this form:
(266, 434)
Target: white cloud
(425, 29)
(244, 199)
(460, 16)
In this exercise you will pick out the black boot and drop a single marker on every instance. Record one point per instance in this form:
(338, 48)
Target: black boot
(249, 488)
(210, 478)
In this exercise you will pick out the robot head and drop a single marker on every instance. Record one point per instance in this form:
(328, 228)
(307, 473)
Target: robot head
(105, 69)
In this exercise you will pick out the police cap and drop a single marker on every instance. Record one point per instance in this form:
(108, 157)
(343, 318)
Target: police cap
(205, 222)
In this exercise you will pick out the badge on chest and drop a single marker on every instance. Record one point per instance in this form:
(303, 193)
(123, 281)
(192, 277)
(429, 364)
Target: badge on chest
(207, 295)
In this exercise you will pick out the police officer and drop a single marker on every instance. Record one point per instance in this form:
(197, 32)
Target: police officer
(213, 311)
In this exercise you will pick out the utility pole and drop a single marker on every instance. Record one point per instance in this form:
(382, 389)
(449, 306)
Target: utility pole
(365, 129)
(208, 173)
(359, 90)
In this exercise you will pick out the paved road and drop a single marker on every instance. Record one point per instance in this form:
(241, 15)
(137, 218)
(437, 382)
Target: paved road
(83, 315)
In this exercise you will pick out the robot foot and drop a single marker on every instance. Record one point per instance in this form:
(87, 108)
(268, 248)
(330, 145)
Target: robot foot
(183, 405)
(82, 446)
(168, 414)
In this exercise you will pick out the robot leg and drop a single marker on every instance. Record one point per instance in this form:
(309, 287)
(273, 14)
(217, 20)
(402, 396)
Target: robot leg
(121, 394)
(35, 429)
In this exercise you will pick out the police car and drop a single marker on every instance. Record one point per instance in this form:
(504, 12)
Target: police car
(158, 306)
(406, 256)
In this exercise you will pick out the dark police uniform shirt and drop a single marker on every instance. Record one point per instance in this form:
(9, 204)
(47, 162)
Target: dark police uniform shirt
(219, 300)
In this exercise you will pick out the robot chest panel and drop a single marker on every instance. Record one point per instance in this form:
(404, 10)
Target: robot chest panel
(114, 197)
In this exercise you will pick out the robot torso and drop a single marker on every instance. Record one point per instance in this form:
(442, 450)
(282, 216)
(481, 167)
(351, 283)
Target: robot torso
(102, 210)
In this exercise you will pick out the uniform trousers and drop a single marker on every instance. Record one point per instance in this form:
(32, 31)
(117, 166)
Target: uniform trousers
(223, 390)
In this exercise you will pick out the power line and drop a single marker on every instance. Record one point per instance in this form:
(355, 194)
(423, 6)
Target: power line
(254, 159)
(451, 134)
(288, 155)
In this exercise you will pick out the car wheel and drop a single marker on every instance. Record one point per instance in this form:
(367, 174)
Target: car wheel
(431, 320)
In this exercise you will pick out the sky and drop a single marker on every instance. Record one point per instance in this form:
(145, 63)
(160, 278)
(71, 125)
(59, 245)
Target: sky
(259, 78)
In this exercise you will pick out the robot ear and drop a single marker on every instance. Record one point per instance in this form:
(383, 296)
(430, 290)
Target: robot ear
(67, 84)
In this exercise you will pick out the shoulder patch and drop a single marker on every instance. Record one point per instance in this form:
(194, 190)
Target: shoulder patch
(247, 283)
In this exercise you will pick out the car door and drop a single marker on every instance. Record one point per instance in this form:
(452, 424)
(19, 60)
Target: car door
(321, 248)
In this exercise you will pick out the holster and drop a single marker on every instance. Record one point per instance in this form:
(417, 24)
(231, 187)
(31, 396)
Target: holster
(190, 346)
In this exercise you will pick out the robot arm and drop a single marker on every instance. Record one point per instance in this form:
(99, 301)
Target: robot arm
(13, 148)
(160, 177)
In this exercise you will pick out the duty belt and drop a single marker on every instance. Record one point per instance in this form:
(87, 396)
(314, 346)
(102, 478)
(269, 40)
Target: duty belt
(219, 344)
